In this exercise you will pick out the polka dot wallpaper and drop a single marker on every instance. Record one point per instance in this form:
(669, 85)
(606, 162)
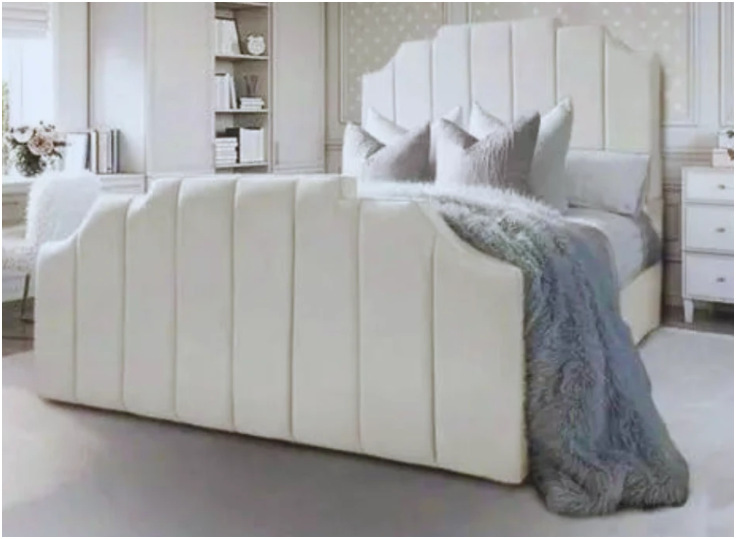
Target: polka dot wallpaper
(662, 28)
(372, 31)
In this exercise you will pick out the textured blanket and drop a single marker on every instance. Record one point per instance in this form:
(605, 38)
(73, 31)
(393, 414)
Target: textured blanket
(596, 441)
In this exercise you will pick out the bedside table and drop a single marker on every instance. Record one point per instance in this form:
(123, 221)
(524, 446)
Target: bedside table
(707, 236)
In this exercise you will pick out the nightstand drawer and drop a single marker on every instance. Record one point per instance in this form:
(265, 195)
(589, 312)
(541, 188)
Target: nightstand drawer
(709, 185)
(709, 228)
(709, 277)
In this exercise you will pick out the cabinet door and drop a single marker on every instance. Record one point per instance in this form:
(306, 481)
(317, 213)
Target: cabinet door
(298, 94)
(179, 78)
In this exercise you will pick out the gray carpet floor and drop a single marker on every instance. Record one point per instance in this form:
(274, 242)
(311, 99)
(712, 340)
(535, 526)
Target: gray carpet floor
(74, 471)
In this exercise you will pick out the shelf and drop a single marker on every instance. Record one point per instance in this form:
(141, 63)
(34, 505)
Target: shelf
(239, 57)
(242, 165)
(238, 111)
(235, 6)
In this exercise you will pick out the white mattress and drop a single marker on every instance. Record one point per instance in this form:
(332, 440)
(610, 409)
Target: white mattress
(634, 244)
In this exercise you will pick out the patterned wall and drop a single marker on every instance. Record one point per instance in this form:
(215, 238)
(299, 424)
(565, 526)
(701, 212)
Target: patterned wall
(371, 33)
(662, 28)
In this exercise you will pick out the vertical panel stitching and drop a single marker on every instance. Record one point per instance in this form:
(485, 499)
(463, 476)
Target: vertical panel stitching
(123, 305)
(232, 304)
(290, 419)
(512, 73)
(431, 81)
(556, 62)
(604, 93)
(469, 66)
(358, 328)
(393, 89)
(433, 359)
(175, 366)
(75, 322)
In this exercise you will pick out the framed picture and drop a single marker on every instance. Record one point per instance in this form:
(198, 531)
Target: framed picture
(226, 37)
(76, 152)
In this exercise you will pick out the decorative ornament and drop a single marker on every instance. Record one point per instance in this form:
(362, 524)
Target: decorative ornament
(255, 44)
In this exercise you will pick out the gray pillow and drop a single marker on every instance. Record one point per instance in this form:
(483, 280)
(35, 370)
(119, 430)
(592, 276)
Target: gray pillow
(547, 174)
(606, 180)
(503, 158)
(405, 159)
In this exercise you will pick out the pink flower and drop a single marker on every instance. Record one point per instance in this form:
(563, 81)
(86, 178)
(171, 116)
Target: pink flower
(41, 144)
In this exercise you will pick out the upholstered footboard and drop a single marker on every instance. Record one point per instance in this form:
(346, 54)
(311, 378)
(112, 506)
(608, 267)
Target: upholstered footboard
(286, 308)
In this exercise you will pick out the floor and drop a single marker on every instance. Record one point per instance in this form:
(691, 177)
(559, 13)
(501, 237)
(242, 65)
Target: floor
(716, 319)
(17, 335)
(75, 471)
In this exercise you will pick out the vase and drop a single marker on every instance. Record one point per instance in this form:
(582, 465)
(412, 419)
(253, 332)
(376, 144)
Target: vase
(28, 164)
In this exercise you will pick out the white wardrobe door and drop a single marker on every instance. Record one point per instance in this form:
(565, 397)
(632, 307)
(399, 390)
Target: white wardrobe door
(298, 55)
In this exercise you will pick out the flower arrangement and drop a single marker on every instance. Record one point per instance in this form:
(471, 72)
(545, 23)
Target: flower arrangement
(32, 149)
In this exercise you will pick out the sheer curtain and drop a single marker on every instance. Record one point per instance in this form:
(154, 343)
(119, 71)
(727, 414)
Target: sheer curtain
(28, 62)
(26, 20)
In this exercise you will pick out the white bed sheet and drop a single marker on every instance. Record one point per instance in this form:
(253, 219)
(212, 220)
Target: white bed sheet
(631, 240)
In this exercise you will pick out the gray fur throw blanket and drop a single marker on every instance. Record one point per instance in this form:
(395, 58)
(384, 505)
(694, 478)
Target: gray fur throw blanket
(596, 440)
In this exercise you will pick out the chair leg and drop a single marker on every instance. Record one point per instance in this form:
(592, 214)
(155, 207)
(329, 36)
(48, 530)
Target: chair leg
(24, 302)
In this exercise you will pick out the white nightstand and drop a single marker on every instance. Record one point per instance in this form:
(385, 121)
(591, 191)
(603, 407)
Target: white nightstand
(707, 236)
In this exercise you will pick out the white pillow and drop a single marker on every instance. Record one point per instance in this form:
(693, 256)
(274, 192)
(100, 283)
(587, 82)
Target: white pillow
(387, 132)
(366, 158)
(610, 181)
(547, 176)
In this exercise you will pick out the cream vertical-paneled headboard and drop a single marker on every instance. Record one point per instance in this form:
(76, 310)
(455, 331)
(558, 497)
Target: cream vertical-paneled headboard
(514, 67)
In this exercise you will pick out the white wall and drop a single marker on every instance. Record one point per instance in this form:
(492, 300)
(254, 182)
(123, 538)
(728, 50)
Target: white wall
(71, 78)
(695, 42)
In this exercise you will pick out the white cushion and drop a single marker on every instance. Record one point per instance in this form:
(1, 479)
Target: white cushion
(404, 159)
(547, 176)
(605, 180)
(387, 131)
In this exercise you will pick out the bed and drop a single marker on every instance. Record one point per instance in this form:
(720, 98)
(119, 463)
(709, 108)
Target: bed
(615, 92)
(289, 308)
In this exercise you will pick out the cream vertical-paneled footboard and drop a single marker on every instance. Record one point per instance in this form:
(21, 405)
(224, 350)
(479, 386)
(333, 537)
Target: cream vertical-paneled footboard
(285, 307)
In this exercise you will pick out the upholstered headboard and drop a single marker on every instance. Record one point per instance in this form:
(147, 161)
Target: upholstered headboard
(514, 67)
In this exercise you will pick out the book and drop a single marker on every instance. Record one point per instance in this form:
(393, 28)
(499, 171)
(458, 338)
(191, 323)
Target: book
(224, 93)
(227, 41)
(251, 146)
(104, 151)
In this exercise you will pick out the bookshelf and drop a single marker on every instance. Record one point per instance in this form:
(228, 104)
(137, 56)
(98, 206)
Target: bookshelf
(242, 72)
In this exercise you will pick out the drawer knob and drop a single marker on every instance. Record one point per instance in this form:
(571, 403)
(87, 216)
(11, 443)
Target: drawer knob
(720, 229)
(721, 280)
(721, 186)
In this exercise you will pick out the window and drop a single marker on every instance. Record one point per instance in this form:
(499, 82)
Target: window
(27, 83)
(6, 124)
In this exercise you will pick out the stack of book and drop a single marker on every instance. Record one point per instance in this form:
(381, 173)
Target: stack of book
(251, 145)
(104, 151)
(224, 92)
(253, 104)
(226, 151)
